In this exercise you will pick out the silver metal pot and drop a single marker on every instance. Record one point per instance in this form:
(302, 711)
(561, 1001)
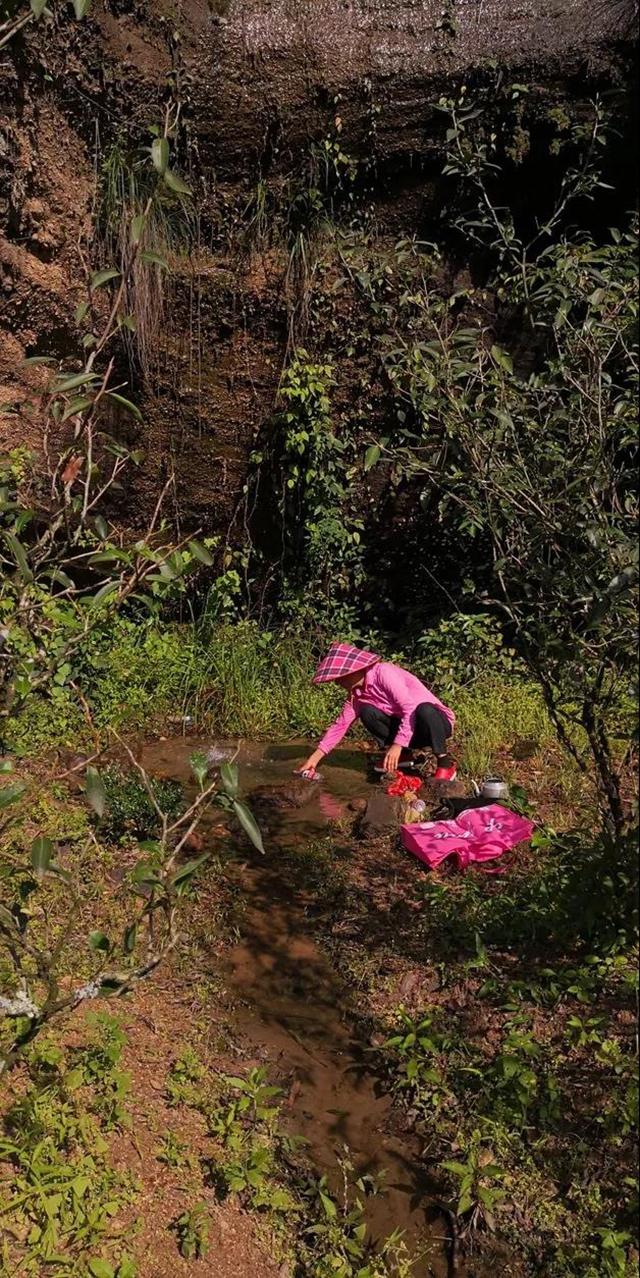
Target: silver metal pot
(494, 788)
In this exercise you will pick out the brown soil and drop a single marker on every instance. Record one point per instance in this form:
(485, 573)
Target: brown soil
(235, 1248)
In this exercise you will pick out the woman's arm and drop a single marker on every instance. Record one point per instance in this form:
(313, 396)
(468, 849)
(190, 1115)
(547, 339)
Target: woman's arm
(332, 737)
(312, 762)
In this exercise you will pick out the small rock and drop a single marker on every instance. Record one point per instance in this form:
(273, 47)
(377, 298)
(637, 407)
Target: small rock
(194, 842)
(410, 984)
(379, 817)
(292, 795)
(357, 805)
(431, 982)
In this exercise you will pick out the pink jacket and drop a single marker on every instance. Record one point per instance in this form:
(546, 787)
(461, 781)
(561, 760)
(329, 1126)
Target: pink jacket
(388, 688)
(477, 835)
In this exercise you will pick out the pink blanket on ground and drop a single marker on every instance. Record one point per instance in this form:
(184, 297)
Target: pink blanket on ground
(478, 835)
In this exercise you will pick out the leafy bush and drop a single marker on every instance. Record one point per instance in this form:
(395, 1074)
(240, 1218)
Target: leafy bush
(583, 889)
(463, 648)
(129, 811)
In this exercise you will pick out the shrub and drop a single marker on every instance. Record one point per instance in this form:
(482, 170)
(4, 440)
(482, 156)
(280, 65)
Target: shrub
(129, 810)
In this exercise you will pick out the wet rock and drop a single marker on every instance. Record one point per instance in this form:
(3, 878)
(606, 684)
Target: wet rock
(433, 792)
(357, 805)
(288, 51)
(380, 817)
(270, 798)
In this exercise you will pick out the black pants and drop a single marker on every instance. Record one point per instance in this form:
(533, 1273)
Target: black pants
(431, 727)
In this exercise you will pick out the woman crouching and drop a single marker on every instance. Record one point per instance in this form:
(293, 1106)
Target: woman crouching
(400, 713)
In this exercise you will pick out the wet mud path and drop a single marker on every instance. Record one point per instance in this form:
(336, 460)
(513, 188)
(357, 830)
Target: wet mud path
(294, 1011)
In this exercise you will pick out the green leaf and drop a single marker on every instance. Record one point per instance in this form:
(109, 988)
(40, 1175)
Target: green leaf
(95, 791)
(199, 766)
(145, 873)
(137, 228)
(56, 869)
(37, 359)
(104, 591)
(99, 1268)
(38, 7)
(81, 312)
(6, 765)
(19, 554)
(103, 277)
(230, 778)
(150, 845)
(187, 871)
(72, 383)
(77, 406)
(60, 578)
(107, 557)
(101, 527)
(7, 919)
(175, 183)
(74, 1079)
(249, 824)
(129, 938)
(125, 403)
(371, 456)
(502, 358)
(160, 154)
(156, 259)
(11, 793)
(329, 1205)
(99, 942)
(41, 853)
(201, 553)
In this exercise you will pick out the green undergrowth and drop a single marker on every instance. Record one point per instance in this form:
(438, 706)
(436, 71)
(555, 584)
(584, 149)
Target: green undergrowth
(62, 1201)
(570, 890)
(519, 1068)
(527, 1099)
(318, 1224)
(248, 682)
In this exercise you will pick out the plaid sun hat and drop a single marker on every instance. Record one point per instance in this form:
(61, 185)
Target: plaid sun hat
(341, 659)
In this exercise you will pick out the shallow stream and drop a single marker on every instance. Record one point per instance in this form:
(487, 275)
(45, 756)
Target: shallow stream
(295, 1010)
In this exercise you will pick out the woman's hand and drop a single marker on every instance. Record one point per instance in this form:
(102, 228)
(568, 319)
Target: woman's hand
(312, 762)
(392, 758)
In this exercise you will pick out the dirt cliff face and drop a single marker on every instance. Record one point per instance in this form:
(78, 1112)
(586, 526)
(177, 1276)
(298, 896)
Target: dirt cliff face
(265, 70)
(259, 82)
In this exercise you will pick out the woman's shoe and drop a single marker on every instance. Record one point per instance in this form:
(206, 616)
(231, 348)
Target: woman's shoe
(445, 772)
